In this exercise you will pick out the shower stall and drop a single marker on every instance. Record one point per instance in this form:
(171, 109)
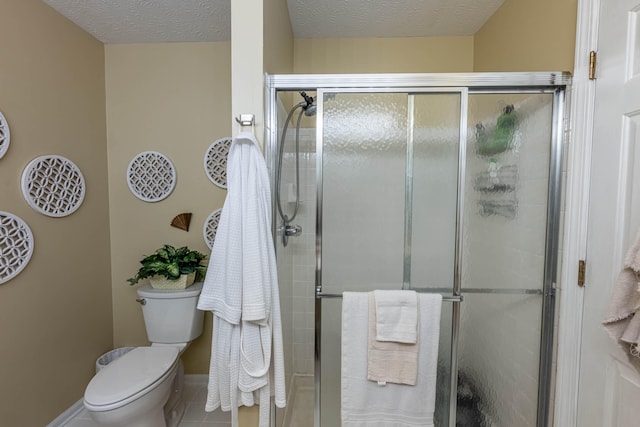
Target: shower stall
(443, 183)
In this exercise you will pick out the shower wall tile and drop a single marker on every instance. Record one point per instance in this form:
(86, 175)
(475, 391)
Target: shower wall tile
(305, 257)
(301, 252)
(301, 289)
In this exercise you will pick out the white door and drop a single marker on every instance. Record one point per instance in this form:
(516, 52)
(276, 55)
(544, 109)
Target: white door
(609, 393)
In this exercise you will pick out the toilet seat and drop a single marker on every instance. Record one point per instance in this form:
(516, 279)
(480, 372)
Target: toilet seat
(129, 377)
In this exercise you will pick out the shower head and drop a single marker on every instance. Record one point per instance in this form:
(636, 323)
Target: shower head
(310, 110)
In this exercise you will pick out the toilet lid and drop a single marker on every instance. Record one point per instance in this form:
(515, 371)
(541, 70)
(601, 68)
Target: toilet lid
(130, 374)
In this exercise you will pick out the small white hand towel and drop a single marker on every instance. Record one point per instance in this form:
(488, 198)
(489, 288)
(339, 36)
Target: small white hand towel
(390, 362)
(365, 403)
(396, 316)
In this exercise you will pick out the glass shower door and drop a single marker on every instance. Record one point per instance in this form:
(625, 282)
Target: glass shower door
(511, 209)
(432, 222)
(387, 217)
(362, 160)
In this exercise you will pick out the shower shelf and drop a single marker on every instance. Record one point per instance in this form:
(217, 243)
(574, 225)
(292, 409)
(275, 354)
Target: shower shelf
(497, 179)
(504, 208)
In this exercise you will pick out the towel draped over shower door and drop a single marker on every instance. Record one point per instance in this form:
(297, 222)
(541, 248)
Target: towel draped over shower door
(241, 289)
(371, 404)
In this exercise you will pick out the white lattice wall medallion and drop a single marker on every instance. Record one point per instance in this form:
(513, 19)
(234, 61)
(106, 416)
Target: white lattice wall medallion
(211, 227)
(5, 135)
(151, 176)
(53, 185)
(16, 246)
(215, 161)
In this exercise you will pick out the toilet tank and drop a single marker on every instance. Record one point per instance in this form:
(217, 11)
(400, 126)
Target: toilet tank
(171, 316)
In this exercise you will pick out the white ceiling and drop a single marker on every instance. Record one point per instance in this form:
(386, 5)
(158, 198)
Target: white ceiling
(150, 21)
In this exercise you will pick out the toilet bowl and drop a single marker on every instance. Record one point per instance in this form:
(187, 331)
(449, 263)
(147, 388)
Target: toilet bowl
(143, 388)
(133, 390)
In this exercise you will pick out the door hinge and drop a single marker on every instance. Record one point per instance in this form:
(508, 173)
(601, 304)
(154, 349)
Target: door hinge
(593, 58)
(581, 272)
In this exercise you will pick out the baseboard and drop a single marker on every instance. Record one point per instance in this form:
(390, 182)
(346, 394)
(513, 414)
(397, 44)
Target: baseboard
(67, 415)
(196, 379)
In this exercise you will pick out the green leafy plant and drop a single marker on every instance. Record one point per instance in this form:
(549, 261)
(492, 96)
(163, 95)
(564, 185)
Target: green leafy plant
(171, 263)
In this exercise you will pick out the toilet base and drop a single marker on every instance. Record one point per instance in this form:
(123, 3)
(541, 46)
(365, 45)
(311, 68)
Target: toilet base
(131, 416)
(175, 407)
(168, 415)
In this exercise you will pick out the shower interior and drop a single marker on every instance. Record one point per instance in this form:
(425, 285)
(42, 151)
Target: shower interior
(493, 222)
(308, 109)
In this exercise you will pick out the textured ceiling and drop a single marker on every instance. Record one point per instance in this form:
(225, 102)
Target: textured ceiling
(389, 18)
(149, 21)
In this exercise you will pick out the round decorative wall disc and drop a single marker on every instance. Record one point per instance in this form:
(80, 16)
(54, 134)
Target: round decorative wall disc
(215, 161)
(151, 176)
(5, 136)
(16, 246)
(211, 227)
(53, 185)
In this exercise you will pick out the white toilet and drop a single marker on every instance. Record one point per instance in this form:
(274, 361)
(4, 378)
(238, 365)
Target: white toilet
(143, 388)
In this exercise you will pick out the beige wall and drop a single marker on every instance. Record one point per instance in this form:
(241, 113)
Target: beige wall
(384, 55)
(278, 38)
(55, 317)
(520, 36)
(528, 36)
(172, 98)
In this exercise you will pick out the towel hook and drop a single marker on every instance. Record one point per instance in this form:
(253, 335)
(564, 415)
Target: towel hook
(246, 119)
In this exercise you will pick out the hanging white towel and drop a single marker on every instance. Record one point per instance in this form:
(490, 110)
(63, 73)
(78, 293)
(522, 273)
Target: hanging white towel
(365, 403)
(396, 316)
(241, 289)
(622, 320)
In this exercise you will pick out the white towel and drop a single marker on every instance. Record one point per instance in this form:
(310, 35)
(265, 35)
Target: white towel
(365, 403)
(396, 316)
(241, 289)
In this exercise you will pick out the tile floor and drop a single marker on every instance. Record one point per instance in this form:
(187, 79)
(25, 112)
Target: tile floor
(195, 394)
(301, 404)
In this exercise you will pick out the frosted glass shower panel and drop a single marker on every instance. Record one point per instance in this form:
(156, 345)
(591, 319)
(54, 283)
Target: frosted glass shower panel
(435, 144)
(506, 198)
(504, 257)
(498, 360)
(363, 180)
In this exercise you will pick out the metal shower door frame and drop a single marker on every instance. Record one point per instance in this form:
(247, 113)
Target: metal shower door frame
(463, 83)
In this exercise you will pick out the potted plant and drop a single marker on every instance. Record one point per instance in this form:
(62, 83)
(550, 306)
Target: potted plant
(171, 268)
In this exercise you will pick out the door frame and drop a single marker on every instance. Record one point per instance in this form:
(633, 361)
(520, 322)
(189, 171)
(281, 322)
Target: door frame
(571, 296)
